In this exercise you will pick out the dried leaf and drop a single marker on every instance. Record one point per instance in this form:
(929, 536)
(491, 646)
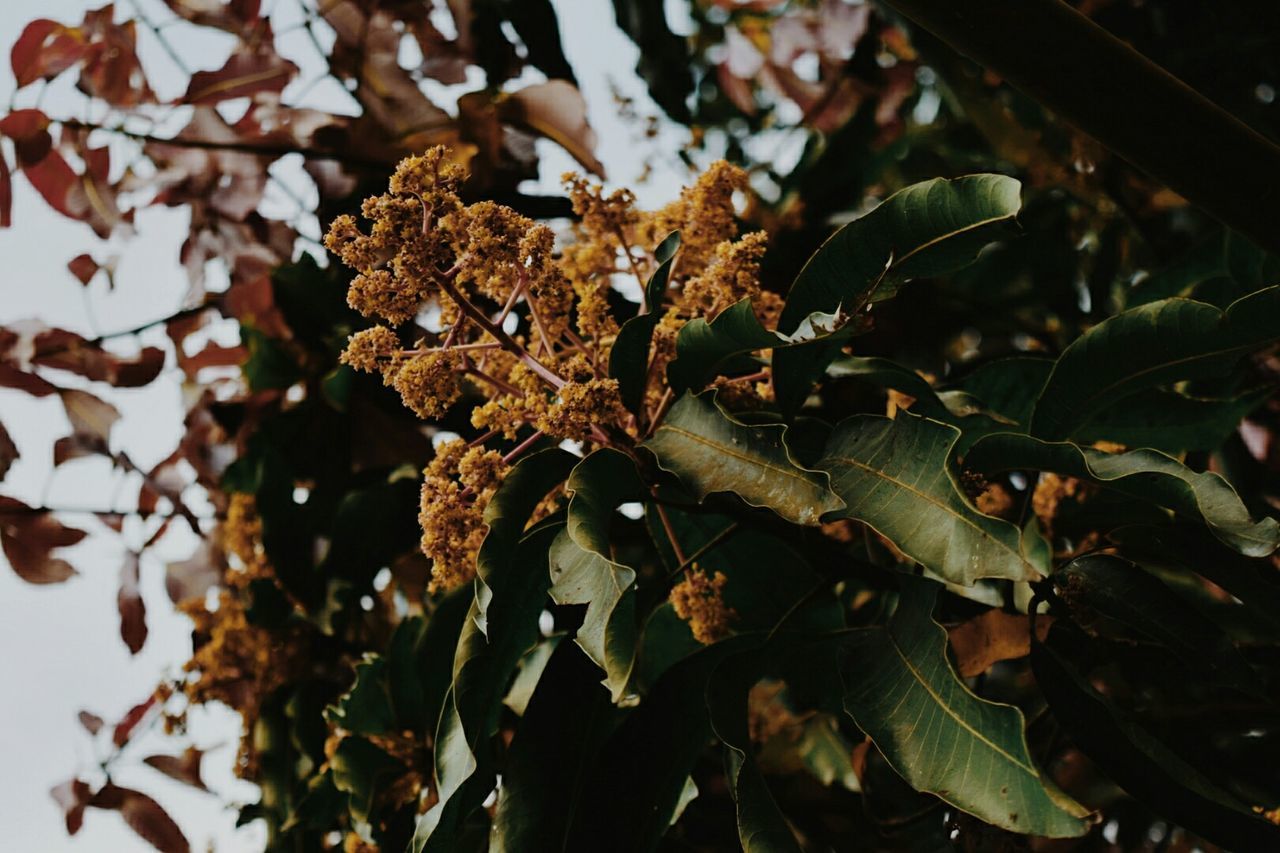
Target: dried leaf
(185, 768)
(91, 418)
(556, 110)
(992, 637)
(133, 610)
(6, 193)
(8, 451)
(192, 577)
(91, 722)
(28, 536)
(144, 816)
(243, 75)
(44, 50)
(72, 797)
(124, 729)
(83, 267)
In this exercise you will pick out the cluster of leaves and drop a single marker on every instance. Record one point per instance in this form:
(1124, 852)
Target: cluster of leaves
(1035, 599)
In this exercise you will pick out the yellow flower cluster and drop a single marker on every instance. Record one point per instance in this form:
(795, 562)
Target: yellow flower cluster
(699, 600)
(526, 325)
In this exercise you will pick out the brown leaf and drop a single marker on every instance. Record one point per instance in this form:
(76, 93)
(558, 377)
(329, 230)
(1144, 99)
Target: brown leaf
(144, 816)
(124, 728)
(72, 797)
(28, 536)
(992, 637)
(111, 70)
(83, 267)
(185, 768)
(20, 380)
(555, 109)
(8, 451)
(6, 193)
(91, 722)
(213, 355)
(64, 350)
(243, 75)
(44, 50)
(192, 577)
(91, 417)
(133, 610)
(234, 16)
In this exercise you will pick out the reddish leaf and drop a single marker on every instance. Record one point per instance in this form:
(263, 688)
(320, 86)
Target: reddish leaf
(144, 816)
(29, 535)
(243, 75)
(72, 797)
(213, 355)
(139, 371)
(234, 16)
(64, 350)
(20, 380)
(185, 768)
(133, 611)
(124, 729)
(6, 193)
(111, 68)
(83, 267)
(8, 451)
(56, 182)
(45, 49)
(91, 722)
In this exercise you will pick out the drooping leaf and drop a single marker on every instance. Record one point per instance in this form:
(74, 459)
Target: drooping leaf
(1123, 593)
(1144, 474)
(927, 229)
(664, 56)
(501, 625)
(567, 719)
(133, 611)
(761, 825)
(673, 715)
(532, 666)
(582, 571)
(1149, 346)
(895, 475)
(901, 690)
(28, 536)
(72, 797)
(710, 452)
(361, 770)
(555, 109)
(8, 451)
(629, 357)
(144, 816)
(702, 347)
(185, 768)
(1137, 760)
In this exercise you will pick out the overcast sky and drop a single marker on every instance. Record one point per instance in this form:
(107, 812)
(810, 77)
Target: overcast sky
(61, 646)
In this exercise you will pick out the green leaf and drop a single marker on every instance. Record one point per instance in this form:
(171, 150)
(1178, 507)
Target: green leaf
(501, 625)
(567, 719)
(895, 475)
(420, 661)
(629, 357)
(361, 770)
(1152, 345)
(529, 676)
(1138, 761)
(927, 229)
(701, 346)
(268, 365)
(366, 708)
(654, 749)
(761, 825)
(1122, 592)
(1253, 582)
(901, 690)
(710, 452)
(1144, 474)
(583, 573)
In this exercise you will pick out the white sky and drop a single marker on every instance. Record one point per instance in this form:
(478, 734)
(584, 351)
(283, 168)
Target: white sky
(61, 646)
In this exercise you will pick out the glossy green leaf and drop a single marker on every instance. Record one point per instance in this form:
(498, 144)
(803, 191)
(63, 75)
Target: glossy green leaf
(582, 571)
(1144, 474)
(501, 625)
(702, 347)
(1152, 345)
(1122, 592)
(711, 452)
(1137, 760)
(629, 356)
(896, 476)
(901, 690)
(927, 229)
